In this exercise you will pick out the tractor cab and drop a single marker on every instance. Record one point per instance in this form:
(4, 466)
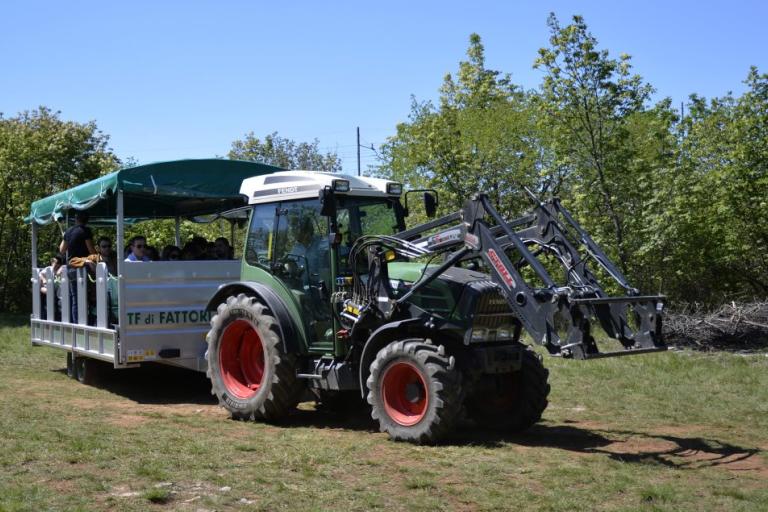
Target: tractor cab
(302, 228)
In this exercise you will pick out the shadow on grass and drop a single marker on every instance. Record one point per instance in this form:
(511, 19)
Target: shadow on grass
(156, 384)
(672, 451)
(358, 420)
(14, 320)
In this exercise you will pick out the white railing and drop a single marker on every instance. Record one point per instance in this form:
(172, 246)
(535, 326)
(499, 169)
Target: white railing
(60, 290)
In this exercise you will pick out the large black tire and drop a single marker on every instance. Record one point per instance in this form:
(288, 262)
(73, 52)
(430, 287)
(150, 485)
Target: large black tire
(415, 391)
(250, 374)
(513, 402)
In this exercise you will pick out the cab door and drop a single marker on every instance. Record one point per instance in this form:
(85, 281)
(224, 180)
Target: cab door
(289, 240)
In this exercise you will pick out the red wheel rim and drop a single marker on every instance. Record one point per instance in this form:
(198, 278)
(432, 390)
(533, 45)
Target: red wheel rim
(241, 359)
(404, 393)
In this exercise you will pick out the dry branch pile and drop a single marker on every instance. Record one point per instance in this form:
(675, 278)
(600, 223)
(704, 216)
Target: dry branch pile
(732, 326)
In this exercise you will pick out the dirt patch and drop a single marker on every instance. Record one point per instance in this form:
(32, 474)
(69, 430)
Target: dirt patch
(679, 447)
(127, 420)
(640, 445)
(129, 406)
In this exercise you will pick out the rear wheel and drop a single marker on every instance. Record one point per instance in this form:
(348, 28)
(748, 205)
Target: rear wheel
(87, 371)
(513, 401)
(415, 392)
(250, 374)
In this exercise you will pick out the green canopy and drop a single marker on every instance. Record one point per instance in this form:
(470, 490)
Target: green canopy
(181, 188)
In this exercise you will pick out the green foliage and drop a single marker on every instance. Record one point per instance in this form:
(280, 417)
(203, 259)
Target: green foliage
(713, 226)
(594, 110)
(40, 154)
(285, 153)
(678, 202)
(479, 139)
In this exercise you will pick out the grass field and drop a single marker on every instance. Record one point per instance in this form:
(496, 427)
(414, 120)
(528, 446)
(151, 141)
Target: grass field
(674, 431)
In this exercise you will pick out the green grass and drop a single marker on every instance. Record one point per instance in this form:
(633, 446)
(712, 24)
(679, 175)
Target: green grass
(674, 431)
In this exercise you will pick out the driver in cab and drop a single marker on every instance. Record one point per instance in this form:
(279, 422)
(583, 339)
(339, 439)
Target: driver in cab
(311, 249)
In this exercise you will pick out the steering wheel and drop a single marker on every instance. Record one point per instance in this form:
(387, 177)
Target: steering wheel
(290, 265)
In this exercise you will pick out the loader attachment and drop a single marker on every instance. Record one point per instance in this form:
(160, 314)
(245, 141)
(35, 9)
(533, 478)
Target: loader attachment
(559, 315)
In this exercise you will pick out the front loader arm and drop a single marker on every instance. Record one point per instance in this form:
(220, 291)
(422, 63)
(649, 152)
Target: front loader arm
(572, 305)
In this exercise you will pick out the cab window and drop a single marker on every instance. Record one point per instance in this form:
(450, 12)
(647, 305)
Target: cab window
(260, 245)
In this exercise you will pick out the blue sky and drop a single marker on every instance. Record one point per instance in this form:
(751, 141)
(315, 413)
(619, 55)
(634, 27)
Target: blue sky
(170, 80)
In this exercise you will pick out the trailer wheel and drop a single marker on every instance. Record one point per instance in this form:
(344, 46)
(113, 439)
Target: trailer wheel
(250, 374)
(515, 401)
(415, 391)
(87, 370)
(70, 366)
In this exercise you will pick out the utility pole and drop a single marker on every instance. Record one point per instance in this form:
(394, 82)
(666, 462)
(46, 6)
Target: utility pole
(358, 151)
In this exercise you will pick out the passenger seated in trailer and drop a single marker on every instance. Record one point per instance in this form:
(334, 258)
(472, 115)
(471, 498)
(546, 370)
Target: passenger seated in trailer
(57, 266)
(104, 246)
(223, 250)
(152, 254)
(171, 253)
(191, 252)
(138, 246)
(210, 251)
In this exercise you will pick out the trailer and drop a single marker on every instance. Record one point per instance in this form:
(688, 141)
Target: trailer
(155, 312)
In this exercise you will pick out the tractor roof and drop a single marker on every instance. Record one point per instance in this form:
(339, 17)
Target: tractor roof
(287, 185)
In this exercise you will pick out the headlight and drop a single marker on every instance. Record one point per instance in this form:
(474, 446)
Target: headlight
(479, 334)
(394, 188)
(503, 334)
(341, 185)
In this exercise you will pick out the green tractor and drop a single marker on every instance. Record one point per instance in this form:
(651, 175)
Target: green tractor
(337, 297)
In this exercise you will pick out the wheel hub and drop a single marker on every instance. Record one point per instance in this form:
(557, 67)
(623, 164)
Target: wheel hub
(414, 392)
(404, 393)
(241, 359)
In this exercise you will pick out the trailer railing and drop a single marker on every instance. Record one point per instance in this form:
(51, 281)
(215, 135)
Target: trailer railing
(54, 324)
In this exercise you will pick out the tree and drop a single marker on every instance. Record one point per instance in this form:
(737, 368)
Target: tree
(713, 224)
(286, 153)
(588, 101)
(40, 154)
(480, 138)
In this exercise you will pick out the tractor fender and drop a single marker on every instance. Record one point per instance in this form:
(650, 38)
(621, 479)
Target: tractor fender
(289, 333)
(384, 335)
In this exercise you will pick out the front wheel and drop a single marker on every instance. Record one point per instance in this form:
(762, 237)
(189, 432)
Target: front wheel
(415, 391)
(250, 374)
(512, 402)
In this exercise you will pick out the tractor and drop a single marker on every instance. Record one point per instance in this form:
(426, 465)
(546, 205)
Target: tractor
(430, 327)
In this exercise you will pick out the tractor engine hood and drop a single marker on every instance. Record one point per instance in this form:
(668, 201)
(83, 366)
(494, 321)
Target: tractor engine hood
(458, 294)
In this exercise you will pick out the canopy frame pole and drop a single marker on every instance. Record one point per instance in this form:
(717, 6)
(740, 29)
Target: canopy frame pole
(178, 232)
(35, 275)
(34, 245)
(120, 235)
(121, 316)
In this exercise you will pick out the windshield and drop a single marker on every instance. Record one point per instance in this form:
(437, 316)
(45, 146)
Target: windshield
(358, 216)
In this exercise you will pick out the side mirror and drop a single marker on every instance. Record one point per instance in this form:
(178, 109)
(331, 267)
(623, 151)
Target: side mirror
(328, 203)
(430, 204)
(430, 201)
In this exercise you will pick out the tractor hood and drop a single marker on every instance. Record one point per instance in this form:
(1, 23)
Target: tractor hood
(443, 294)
